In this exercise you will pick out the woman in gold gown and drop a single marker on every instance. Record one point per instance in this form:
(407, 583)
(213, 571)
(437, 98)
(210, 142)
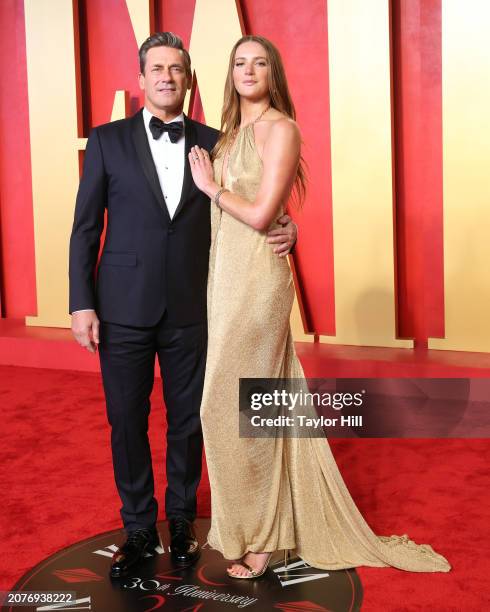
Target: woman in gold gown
(268, 494)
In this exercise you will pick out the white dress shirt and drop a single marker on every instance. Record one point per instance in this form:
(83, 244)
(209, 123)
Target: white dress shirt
(169, 158)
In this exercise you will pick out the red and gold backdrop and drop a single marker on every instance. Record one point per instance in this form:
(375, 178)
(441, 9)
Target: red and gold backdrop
(392, 100)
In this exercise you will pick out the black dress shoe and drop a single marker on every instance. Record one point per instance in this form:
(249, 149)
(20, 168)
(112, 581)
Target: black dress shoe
(184, 547)
(133, 550)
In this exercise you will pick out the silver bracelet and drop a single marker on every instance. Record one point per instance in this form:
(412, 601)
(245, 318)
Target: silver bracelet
(218, 195)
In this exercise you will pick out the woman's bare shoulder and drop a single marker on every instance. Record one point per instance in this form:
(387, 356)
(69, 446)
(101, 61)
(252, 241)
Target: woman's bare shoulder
(278, 125)
(283, 130)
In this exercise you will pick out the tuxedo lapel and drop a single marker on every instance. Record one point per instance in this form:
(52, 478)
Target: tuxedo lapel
(140, 140)
(187, 183)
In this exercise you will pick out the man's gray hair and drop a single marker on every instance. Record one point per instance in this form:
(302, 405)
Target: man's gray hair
(164, 39)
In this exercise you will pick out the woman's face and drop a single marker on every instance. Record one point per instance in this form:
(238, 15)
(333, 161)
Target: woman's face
(251, 70)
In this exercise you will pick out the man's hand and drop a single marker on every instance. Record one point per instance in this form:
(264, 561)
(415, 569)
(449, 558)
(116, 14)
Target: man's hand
(284, 237)
(85, 328)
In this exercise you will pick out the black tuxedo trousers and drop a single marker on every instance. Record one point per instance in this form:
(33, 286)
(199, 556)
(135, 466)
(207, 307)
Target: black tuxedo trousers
(127, 359)
(149, 292)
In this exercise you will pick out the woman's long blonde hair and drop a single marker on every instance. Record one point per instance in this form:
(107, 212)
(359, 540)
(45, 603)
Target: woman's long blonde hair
(280, 100)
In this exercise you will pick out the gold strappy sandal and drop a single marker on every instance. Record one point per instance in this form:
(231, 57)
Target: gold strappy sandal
(254, 573)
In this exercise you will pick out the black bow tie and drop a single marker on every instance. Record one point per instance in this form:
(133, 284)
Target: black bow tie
(174, 129)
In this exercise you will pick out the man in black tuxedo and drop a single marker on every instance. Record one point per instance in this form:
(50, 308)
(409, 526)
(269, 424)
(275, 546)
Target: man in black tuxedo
(149, 296)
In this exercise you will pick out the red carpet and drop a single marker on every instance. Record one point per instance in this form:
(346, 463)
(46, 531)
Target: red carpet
(58, 488)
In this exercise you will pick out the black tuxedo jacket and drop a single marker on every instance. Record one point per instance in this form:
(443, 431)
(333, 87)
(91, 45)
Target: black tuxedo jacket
(150, 263)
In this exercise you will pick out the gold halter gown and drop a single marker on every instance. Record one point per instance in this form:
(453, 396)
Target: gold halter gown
(271, 494)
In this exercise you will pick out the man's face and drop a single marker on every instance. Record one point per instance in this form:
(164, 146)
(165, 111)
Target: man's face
(164, 81)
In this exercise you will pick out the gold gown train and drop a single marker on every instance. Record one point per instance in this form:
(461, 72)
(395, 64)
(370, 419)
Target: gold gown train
(281, 493)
